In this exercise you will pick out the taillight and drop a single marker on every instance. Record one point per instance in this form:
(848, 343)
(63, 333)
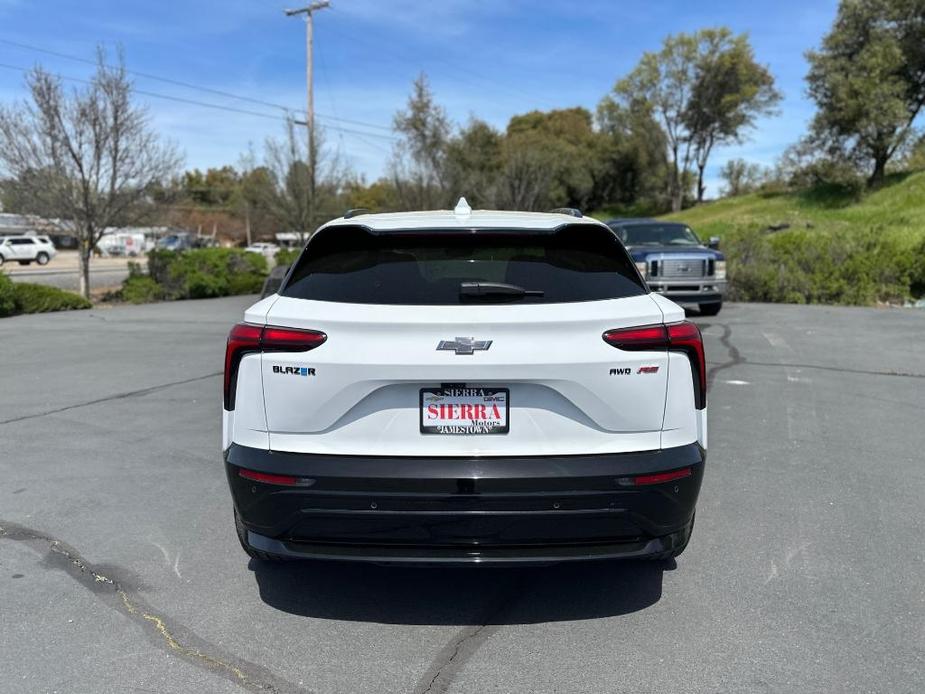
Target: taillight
(685, 337)
(676, 337)
(245, 338)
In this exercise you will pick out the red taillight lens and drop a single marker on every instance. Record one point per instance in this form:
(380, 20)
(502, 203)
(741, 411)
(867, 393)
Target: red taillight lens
(282, 480)
(245, 338)
(288, 340)
(685, 337)
(660, 477)
(638, 339)
(679, 337)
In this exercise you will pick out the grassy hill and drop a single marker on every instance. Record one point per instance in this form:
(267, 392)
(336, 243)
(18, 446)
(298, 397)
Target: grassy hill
(821, 246)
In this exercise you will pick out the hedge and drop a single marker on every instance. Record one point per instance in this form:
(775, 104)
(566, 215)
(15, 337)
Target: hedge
(822, 266)
(195, 274)
(18, 298)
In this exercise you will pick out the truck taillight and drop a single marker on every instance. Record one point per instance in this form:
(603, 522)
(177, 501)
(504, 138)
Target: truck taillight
(675, 337)
(246, 338)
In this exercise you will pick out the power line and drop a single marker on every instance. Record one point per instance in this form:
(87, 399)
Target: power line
(204, 104)
(188, 85)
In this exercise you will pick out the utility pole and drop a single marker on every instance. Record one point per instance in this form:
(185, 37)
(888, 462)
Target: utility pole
(308, 11)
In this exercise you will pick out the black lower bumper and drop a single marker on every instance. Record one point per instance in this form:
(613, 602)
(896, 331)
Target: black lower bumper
(466, 510)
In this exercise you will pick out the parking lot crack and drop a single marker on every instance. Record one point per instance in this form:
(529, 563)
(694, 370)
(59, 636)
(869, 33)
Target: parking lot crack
(838, 369)
(160, 630)
(735, 357)
(118, 396)
(460, 649)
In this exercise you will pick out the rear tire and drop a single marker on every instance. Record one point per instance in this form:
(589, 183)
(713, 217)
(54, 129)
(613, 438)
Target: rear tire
(1, 260)
(710, 309)
(42, 259)
(251, 552)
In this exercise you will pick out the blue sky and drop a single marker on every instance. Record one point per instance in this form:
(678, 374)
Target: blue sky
(489, 59)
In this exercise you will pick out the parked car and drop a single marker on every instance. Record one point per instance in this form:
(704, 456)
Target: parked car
(27, 249)
(674, 262)
(468, 387)
(177, 242)
(267, 250)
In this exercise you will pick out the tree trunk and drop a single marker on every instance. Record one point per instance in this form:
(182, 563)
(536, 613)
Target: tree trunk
(247, 223)
(85, 251)
(876, 178)
(676, 194)
(700, 187)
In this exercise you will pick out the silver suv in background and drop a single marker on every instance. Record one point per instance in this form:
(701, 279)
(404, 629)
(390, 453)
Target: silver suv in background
(26, 249)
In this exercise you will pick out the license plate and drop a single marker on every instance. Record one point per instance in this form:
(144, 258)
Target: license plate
(462, 410)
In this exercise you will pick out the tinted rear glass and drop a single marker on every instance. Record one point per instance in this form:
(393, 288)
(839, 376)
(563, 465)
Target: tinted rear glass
(352, 265)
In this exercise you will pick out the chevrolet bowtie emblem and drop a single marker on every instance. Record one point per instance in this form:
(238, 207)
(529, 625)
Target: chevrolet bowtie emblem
(464, 345)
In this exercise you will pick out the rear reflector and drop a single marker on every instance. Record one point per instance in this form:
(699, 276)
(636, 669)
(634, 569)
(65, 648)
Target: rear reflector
(245, 338)
(676, 337)
(282, 480)
(660, 477)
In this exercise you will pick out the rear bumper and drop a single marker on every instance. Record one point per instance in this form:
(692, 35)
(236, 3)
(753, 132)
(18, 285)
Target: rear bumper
(466, 510)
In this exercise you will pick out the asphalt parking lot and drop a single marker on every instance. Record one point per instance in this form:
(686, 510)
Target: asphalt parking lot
(120, 570)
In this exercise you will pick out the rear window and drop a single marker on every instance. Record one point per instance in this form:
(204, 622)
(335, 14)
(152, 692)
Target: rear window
(352, 265)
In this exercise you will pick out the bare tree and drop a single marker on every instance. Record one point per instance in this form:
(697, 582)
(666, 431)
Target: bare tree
(87, 157)
(298, 200)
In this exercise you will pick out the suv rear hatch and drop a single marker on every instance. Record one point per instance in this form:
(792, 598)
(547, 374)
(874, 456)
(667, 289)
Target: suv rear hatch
(414, 347)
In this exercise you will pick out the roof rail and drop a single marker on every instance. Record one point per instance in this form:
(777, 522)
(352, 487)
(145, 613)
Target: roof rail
(571, 211)
(356, 211)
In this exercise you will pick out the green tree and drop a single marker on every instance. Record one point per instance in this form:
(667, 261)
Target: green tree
(730, 91)
(214, 188)
(635, 164)
(868, 80)
(741, 177)
(703, 88)
(473, 163)
(418, 164)
(567, 145)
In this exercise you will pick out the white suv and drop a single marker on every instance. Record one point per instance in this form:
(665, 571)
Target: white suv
(464, 387)
(26, 249)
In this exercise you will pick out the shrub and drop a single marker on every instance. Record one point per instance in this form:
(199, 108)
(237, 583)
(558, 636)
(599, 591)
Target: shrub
(7, 296)
(196, 274)
(37, 298)
(917, 271)
(286, 256)
(140, 289)
(813, 266)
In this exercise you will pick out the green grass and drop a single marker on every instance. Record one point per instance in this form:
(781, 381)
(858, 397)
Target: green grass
(897, 209)
(825, 245)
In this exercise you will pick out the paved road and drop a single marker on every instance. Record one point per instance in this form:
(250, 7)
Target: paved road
(119, 569)
(63, 272)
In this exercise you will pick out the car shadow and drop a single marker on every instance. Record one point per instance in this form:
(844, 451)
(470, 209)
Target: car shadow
(459, 596)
